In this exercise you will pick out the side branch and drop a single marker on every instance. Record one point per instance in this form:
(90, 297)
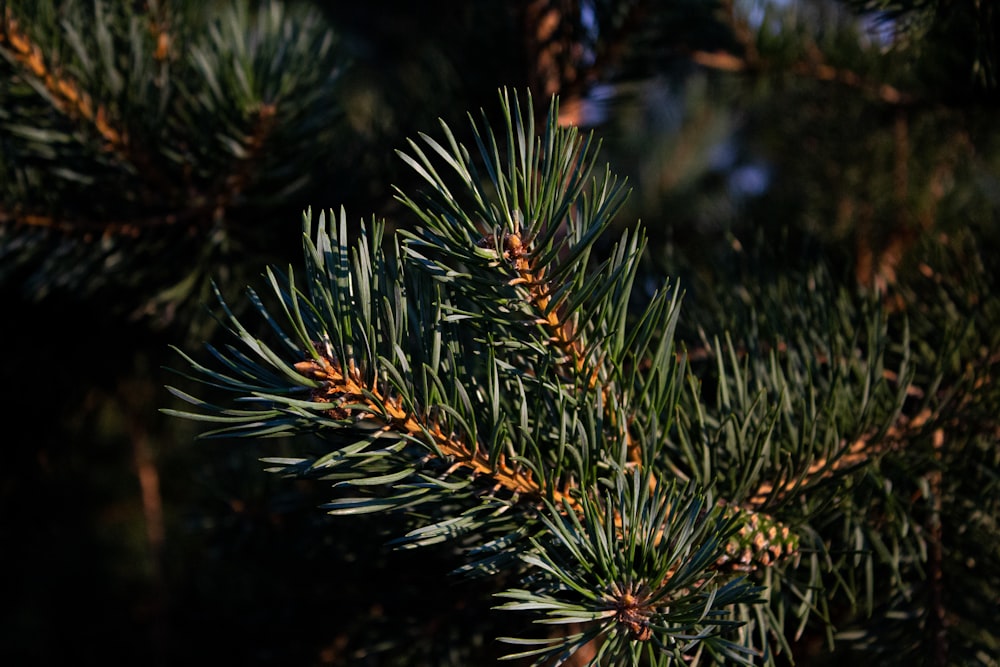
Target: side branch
(386, 413)
(562, 333)
(125, 228)
(63, 92)
(818, 71)
(857, 453)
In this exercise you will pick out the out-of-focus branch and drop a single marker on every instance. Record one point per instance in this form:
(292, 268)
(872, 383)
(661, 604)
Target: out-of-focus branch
(198, 211)
(91, 228)
(817, 70)
(63, 92)
(245, 167)
(855, 454)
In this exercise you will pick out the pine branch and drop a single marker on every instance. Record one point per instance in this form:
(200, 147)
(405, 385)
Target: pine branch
(345, 390)
(143, 132)
(193, 217)
(855, 455)
(809, 69)
(203, 209)
(62, 91)
(489, 371)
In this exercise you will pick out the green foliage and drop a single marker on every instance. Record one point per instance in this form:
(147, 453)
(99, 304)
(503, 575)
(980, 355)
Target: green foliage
(632, 572)
(502, 384)
(156, 124)
(797, 466)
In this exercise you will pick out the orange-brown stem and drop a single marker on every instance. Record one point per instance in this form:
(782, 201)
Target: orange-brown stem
(341, 388)
(563, 334)
(857, 453)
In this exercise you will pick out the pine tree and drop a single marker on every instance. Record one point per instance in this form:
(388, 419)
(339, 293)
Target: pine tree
(760, 426)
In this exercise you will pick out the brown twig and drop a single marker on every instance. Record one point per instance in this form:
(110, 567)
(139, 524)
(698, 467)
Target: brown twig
(812, 68)
(560, 61)
(818, 71)
(553, 48)
(133, 399)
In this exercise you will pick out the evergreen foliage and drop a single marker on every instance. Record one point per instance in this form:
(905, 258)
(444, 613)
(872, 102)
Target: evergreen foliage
(162, 125)
(503, 385)
(758, 427)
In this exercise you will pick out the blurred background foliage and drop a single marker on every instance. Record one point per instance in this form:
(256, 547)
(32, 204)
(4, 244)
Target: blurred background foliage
(148, 148)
